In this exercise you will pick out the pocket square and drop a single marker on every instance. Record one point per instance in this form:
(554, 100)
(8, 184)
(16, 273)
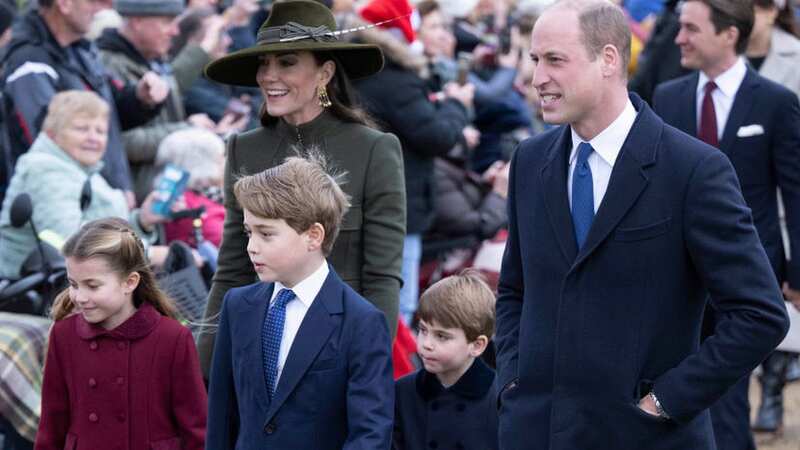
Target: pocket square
(750, 130)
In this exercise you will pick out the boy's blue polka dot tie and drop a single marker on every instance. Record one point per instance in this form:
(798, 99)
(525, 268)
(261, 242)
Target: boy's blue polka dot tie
(271, 336)
(582, 194)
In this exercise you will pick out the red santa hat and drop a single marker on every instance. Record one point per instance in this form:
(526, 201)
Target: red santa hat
(382, 10)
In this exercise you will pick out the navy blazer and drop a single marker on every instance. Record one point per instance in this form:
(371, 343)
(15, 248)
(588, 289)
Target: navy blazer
(583, 335)
(762, 140)
(335, 392)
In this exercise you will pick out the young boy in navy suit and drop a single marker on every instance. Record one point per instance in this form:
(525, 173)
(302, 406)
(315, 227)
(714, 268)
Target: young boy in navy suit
(451, 403)
(301, 360)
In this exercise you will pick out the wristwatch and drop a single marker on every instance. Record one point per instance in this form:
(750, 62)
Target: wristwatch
(659, 408)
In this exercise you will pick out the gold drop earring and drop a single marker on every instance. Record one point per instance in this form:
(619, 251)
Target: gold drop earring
(322, 95)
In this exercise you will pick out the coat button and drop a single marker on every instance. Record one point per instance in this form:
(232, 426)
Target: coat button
(434, 405)
(93, 417)
(121, 345)
(461, 407)
(270, 428)
(92, 382)
(93, 345)
(121, 417)
(433, 444)
(120, 380)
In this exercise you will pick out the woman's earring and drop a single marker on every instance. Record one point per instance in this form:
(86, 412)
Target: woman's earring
(322, 95)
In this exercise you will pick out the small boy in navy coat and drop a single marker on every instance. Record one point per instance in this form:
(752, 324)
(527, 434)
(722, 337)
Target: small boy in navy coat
(301, 360)
(451, 403)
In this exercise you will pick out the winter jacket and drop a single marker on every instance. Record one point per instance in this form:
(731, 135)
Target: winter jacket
(465, 205)
(782, 61)
(397, 97)
(141, 143)
(36, 67)
(463, 416)
(368, 251)
(660, 60)
(135, 387)
(213, 219)
(54, 181)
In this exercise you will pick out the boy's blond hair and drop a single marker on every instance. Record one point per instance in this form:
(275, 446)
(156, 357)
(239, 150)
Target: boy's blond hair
(462, 301)
(67, 105)
(300, 191)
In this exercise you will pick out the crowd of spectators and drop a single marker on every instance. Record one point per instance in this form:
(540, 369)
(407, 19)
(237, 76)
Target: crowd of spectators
(111, 92)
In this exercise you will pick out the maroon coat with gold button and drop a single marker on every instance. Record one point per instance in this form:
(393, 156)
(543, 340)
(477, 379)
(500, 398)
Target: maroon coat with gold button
(136, 387)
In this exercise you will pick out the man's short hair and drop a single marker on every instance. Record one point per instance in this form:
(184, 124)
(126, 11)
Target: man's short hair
(461, 301)
(300, 191)
(602, 23)
(67, 105)
(732, 13)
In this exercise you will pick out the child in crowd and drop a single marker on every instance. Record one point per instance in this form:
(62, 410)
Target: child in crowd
(450, 403)
(120, 371)
(300, 360)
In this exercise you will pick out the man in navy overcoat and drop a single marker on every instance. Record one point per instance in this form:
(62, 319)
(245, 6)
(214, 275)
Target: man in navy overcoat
(621, 228)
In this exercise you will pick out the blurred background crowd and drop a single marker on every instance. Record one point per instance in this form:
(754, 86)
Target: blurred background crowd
(111, 93)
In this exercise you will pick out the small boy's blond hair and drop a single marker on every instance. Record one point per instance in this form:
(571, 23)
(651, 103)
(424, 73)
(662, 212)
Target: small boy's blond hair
(462, 301)
(300, 191)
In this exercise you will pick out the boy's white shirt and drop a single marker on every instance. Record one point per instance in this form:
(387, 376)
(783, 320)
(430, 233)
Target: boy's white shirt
(305, 291)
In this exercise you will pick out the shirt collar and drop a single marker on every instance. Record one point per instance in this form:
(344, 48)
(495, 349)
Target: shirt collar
(728, 82)
(306, 291)
(609, 142)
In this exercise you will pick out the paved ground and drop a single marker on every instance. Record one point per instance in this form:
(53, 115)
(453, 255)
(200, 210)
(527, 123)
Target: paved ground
(789, 439)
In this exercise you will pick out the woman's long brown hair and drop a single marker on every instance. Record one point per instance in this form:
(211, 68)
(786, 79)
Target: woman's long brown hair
(340, 91)
(114, 241)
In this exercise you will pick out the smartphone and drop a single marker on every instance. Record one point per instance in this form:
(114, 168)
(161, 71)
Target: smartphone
(171, 184)
(464, 64)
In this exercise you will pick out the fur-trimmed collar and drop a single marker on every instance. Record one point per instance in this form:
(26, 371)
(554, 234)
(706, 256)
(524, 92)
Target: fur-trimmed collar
(139, 325)
(395, 50)
(475, 382)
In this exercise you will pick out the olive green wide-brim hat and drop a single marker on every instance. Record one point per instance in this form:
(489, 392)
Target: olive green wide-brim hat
(296, 26)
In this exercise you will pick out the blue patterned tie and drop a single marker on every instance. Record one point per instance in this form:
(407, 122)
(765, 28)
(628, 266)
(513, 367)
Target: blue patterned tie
(271, 336)
(582, 194)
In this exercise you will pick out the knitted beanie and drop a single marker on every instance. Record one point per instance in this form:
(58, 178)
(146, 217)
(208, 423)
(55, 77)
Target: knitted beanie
(149, 7)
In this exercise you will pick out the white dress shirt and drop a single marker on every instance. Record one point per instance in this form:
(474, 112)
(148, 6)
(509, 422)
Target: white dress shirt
(606, 146)
(728, 84)
(305, 291)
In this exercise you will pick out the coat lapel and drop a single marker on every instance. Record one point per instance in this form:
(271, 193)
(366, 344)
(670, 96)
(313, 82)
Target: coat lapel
(253, 321)
(688, 96)
(314, 332)
(554, 185)
(742, 104)
(628, 178)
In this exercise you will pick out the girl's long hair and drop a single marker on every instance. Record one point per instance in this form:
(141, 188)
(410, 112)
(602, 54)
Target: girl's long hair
(114, 241)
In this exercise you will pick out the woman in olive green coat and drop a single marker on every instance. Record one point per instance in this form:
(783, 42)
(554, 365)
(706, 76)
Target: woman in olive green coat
(303, 71)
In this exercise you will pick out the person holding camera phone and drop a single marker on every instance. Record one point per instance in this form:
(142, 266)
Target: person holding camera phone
(142, 43)
(65, 154)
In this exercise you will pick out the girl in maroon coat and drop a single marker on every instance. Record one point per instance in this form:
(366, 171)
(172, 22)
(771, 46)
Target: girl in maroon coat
(121, 373)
